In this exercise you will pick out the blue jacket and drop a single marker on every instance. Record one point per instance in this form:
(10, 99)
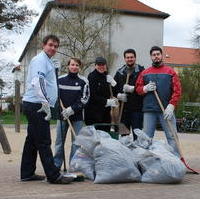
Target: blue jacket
(74, 92)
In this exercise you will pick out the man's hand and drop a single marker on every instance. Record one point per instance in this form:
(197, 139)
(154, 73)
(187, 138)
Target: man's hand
(151, 86)
(169, 112)
(46, 109)
(122, 97)
(67, 112)
(128, 88)
(112, 102)
(111, 80)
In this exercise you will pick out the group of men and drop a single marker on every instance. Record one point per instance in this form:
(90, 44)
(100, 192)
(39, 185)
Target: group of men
(90, 100)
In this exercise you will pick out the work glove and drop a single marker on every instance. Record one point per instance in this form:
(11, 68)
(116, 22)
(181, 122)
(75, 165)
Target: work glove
(67, 112)
(122, 97)
(46, 109)
(151, 86)
(111, 80)
(112, 102)
(128, 88)
(169, 112)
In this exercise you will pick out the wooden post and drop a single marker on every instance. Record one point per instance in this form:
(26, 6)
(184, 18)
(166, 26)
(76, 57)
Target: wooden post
(17, 106)
(4, 141)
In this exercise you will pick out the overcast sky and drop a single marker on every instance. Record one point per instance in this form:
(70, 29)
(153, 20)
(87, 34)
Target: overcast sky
(178, 28)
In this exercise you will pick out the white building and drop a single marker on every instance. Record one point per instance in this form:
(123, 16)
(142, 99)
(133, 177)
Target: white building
(141, 27)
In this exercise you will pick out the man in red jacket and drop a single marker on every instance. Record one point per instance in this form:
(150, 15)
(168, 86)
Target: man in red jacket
(165, 80)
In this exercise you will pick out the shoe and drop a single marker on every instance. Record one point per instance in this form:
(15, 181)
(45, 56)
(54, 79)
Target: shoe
(63, 180)
(33, 178)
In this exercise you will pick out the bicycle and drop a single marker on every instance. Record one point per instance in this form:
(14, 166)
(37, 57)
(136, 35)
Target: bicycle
(188, 123)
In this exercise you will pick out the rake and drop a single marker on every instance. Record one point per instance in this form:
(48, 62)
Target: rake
(174, 133)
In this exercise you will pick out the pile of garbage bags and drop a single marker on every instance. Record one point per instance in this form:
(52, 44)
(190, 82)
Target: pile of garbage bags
(105, 160)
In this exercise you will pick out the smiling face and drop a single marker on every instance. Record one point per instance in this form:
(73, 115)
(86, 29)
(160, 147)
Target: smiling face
(130, 59)
(50, 47)
(101, 68)
(73, 66)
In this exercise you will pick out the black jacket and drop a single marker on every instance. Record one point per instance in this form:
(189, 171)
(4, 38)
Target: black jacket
(99, 93)
(135, 101)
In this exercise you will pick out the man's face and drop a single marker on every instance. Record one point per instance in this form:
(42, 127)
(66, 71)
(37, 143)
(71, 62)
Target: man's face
(101, 68)
(156, 57)
(74, 66)
(130, 59)
(50, 47)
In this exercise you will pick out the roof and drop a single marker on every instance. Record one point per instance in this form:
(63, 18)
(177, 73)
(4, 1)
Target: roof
(127, 6)
(181, 56)
(132, 7)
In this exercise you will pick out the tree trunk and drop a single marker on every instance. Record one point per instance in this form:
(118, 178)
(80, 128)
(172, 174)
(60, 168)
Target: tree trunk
(4, 141)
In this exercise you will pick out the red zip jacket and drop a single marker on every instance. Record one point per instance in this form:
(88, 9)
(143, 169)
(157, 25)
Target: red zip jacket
(167, 85)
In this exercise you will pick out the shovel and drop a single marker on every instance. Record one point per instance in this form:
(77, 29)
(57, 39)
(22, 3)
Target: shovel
(122, 128)
(78, 177)
(174, 134)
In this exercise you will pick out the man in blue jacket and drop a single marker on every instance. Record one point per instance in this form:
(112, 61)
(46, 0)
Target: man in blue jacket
(74, 95)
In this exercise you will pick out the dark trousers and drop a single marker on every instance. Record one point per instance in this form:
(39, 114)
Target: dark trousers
(133, 120)
(99, 118)
(38, 140)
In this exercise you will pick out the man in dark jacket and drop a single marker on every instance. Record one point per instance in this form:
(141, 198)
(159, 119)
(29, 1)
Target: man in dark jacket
(100, 102)
(165, 80)
(132, 115)
(74, 94)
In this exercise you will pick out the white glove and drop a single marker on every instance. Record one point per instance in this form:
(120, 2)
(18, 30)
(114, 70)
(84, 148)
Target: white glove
(56, 63)
(111, 80)
(46, 109)
(112, 102)
(67, 112)
(151, 86)
(169, 112)
(122, 97)
(128, 88)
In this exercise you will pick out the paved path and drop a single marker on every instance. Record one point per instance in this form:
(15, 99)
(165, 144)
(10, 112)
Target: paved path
(12, 188)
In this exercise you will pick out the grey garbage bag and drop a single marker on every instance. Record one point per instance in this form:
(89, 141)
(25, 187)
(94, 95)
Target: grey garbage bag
(88, 139)
(143, 140)
(82, 162)
(163, 167)
(114, 163)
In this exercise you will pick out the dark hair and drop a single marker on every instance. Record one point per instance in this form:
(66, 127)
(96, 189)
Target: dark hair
(157, 48)
(76, 60)
(130, 51)
(52, 37)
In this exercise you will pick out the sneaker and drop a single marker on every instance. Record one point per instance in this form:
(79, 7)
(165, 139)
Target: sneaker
(63, 180)
(33, 178)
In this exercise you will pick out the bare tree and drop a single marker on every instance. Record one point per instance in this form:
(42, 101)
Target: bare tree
(196, 37)
(13, 17)
(85, 29)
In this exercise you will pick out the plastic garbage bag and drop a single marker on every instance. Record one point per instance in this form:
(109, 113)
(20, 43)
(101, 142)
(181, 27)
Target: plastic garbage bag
(82, 162)
(114, 163)
(163, 167)
(88, 139)
(143, 140)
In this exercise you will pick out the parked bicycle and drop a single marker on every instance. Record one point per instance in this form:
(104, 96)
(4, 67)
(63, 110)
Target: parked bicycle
(188, 123)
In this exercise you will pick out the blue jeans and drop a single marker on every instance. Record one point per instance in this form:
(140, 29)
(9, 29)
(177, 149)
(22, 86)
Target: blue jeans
(58, 157)
(150, 121)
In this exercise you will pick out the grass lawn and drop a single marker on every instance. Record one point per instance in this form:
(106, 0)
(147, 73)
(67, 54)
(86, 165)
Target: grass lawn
(9, 118)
